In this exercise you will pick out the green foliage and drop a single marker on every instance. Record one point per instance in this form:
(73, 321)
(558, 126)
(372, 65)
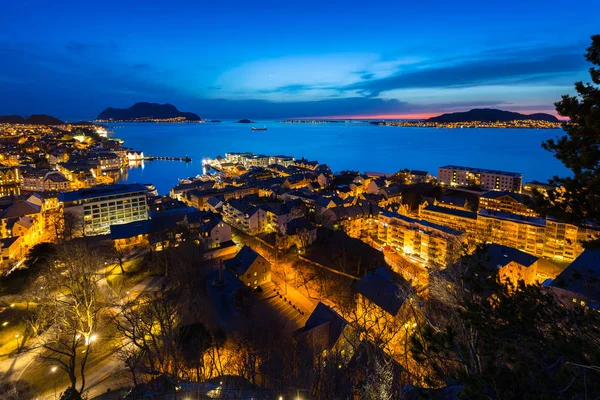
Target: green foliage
(577, 198)
(509, 342)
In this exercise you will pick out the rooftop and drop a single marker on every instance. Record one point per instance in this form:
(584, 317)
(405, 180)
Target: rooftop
(512, 217)
(381, 288)
(452, 211)
(582, 276)
(101, 191)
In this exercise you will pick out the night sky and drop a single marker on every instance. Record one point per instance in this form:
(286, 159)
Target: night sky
(255, 59)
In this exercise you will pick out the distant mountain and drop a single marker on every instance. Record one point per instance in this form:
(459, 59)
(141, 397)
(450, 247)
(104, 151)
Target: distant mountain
(145, 111)
(36, 119)
(490, 115)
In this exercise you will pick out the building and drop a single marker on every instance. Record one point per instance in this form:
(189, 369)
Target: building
(10, 176)
(505, 201)
(514, 265)
(45, 181)
(460, 220)
(199, 198)
(100, 207)
(452, 175)
(244, 215)
(325, 330)
(250, 267)
(10, 251)
(422, 242)
(579, 283)
(562, 241)
(512, 230)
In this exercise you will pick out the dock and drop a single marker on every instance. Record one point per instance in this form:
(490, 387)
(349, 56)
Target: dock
(153, 158)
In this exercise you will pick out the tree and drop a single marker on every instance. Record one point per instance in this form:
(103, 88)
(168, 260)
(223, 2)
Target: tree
(73, 307)
(577, 199)
(501, 340)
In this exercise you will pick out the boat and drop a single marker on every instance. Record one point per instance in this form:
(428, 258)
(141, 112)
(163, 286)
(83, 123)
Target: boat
(259, 129)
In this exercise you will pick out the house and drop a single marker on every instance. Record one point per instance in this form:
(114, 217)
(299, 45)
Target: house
(10, 251)
(452, 201)
(382, 289)
(579, 283)
(212, 231)
(215, 204)
(301, 232)
(417, 176)
(514, 265)
(325, 330)
(250, 267)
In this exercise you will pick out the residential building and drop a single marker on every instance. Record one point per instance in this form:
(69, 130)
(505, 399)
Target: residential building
(10, 176)
(457, 219)
(102, 206)
(453, 175)
(37, 180)
(250, 267)
(562, 241)
(423, 242)
(325, 331)
(579, 284)
(505, 201)
(199, 198)
(515, 265)
(517, 231)
(244, 215)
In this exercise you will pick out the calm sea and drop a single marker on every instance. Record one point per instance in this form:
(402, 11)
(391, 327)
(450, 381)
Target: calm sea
(357, 145)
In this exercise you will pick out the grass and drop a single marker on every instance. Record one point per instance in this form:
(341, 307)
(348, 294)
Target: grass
(134, 273)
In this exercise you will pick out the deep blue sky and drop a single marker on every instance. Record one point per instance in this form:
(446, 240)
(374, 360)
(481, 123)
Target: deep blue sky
(257, 59)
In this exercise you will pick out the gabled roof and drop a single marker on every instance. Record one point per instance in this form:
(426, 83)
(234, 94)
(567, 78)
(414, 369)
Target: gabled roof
(327, 319)
(499, 256)
(19, 209)
(242, 261)
(582, 276)
(380, 287)
(298, 224)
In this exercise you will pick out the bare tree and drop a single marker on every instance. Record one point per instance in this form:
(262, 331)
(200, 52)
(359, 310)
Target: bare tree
(73, 307)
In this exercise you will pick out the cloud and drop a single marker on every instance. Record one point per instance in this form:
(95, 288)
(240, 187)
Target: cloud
(486, 68)
(79, 48)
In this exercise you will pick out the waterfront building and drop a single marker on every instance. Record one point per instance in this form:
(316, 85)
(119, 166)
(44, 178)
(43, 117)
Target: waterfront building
(452, 175)
(102, 206)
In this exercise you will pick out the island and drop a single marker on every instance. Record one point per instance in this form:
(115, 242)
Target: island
(147, 112)
(491, 115)
(481, 118)
(245, 121)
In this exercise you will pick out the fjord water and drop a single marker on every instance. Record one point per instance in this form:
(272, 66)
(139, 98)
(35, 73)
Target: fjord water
(353, 145)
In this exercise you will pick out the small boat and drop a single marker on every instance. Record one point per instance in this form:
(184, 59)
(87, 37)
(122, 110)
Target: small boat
(259, 129)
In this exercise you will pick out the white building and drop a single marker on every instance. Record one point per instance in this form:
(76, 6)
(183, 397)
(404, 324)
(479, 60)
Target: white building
(453, 175)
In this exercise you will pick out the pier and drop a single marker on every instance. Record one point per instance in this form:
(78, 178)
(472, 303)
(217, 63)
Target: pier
(152, 158)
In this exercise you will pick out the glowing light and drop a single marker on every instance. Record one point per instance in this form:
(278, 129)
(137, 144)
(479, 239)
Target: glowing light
(53, 369)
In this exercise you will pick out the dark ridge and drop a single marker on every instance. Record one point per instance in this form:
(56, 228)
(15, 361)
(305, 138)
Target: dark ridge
(145, 111)
(491, 115)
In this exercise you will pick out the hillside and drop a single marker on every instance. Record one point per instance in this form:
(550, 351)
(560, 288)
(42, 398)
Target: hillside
(36, 119)
(491, 115)
(145, 111)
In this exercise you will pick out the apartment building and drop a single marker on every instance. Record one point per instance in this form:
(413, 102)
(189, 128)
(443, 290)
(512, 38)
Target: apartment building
(102, 206)
(422, 241)
(453, 175)
(505, 201)
(459, 220)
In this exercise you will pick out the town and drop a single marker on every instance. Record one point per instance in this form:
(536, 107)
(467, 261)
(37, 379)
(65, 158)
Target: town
(259, 252)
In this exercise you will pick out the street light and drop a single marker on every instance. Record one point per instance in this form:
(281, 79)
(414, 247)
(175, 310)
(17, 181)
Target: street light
(53, 370)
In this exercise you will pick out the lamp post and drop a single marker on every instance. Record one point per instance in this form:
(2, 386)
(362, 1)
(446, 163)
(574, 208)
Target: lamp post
(53, 370)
